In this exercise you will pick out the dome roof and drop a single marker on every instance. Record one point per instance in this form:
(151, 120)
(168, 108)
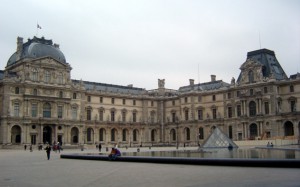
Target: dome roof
(36, 48)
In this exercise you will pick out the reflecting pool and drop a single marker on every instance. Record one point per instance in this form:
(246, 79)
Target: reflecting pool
(247, 153)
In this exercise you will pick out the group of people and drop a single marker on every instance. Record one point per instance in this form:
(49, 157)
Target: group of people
(270, 144)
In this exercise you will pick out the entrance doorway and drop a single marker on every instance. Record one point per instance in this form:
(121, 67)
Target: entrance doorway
(47, 134)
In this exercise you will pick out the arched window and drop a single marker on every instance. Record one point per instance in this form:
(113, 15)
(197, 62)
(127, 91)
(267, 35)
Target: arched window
(113, 134)
(61, 94)
(173, 135)
(288, 129)
(47, 110)
(188, 134)
(253, 131)
(251, 76)
(153, 135)
(135, 135)
(89, 134)
(252, 108)
(101, 137)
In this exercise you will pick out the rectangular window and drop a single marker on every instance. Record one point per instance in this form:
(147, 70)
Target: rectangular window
(229, 95)
(112, 117)
(230, 112)
(133, 102)
(34, 110)
(293, 106)
(266, 107)
(186, 115)
(16, 109)
(199, 98)
(88, 114)
(291, 88)
(124, 101)
(74, 96)
(152, 103)
(60, 112)
(265, 89)
(101, 99)
(112, 100)
(101, 115)
(213, 97)
(238, 109)
(185, 99)
(89, 98)
(173, 102)
(173, 117)
(238, 93)
(214, 113)
(134, 117)
(251, 91)
(74, 113)
(123, 116)
(200, 114)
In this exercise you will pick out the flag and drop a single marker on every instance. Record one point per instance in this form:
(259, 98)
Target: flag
(38, 26)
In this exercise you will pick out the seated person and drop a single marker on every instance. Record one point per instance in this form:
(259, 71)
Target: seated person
(114, 154)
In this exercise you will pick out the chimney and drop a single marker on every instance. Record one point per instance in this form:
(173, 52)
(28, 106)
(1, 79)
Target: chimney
(19, 44)
(213, 78)
(192, 82)
(19, 48)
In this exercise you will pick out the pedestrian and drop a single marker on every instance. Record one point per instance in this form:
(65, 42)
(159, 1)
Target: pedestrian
(31, 148)
(25, 147)
(48, 150)
(58, 147)
(100, 147)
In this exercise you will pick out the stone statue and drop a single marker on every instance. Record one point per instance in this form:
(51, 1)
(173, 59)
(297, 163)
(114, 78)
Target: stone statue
(232, 81)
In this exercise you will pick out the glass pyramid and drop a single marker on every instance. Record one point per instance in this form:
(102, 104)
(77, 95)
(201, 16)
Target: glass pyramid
(218, 139)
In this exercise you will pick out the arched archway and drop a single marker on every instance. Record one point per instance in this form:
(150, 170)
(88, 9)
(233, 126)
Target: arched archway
(101, 134)
(153, 135)
(47, 135)
(187, 134)
(253, 131)
(90, 135)
(288, 129)
(16, 134)
(135, 135)
(173, 135)
(74, 135)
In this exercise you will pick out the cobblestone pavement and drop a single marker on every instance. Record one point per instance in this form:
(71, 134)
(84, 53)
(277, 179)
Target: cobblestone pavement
(19, 168)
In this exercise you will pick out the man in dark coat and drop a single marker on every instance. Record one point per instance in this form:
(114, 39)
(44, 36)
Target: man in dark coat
(48, 150)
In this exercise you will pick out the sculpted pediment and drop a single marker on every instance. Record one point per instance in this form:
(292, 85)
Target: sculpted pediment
(250, 63)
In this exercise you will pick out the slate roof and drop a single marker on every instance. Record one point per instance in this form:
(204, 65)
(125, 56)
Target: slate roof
(111, 88)
(270, 64)
(213, 85)
(37, 48)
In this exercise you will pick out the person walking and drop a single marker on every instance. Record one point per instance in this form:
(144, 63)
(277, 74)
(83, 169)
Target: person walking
(48, 150)
(100, 147)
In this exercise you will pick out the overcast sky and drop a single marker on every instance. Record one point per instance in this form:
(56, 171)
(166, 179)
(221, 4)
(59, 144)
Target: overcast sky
(137, 42)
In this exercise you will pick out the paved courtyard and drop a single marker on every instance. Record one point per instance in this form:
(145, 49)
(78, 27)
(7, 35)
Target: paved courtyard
(32, 169)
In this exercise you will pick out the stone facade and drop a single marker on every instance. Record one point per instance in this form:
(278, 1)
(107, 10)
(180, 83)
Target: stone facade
(41, 103)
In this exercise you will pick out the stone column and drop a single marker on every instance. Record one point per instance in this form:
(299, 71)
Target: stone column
(41, 133)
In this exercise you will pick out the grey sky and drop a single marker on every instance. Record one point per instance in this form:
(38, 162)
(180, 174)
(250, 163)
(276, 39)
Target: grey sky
(137, 42)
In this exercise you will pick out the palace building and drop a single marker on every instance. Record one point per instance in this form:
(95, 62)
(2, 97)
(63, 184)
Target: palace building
(40, 103)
